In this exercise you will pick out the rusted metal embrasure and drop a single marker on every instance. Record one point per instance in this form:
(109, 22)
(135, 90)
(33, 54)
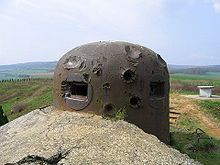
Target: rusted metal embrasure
(103, 77)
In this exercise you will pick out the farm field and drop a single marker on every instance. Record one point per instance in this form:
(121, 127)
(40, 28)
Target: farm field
(196, 128)
(21, 74)
(21, 97)
(195, 115)
(27, 70)
(187, 83)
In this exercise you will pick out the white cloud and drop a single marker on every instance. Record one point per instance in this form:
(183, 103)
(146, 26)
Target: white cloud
(44, 29)
(11, 19)
(216, 5)
(124, 14)
(53, 26)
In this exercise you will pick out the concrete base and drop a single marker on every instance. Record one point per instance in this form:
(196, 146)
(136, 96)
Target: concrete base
(79, 138)
(205, 91)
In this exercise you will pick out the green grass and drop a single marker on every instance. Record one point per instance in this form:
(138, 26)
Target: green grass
(206, 150)
(20, 74)
(208, 76)
(187, 83)
(116, 114)
(34, 93)
(209, 79)
(212, 108)
(120, 114)
(184, 139)
(187, 122)
(38, 92)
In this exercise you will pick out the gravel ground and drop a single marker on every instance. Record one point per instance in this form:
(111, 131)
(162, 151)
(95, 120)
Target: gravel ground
(50, 136)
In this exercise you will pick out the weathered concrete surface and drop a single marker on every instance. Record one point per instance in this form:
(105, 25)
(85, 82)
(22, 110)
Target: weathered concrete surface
(62, 137)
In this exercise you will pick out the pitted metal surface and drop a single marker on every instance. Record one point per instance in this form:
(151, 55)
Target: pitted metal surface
(102, 77)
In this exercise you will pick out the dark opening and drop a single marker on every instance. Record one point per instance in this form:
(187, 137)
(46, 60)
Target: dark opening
(108, 107)
(128, 76)
(157, 89)
(78, 88)
(76, 94)
(135, 101)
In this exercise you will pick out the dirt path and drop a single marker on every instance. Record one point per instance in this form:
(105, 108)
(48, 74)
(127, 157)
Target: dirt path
(188, 106)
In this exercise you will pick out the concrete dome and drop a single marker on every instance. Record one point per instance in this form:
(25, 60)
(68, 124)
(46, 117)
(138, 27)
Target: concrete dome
(104, 77)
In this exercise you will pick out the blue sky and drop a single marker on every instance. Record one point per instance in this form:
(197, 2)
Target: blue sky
(182, 31)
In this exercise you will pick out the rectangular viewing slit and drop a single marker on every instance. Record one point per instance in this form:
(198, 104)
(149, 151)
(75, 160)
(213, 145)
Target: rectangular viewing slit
(78, 88)
(157, 89)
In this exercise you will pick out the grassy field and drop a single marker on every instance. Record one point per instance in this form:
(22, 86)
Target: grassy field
(187, 83)
(24, 96)
(204, 147)
(206, 150)
(212, 108)
(20, 74)
(195, 115)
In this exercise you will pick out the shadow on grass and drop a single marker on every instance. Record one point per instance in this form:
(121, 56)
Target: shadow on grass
(198, 146)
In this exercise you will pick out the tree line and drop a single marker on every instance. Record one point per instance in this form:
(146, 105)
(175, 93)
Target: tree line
(22, 80)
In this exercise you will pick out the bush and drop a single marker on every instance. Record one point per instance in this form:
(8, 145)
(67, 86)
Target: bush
(116, 114)
(204, 145)
(3, 118)
(18, 108)
(120, 114)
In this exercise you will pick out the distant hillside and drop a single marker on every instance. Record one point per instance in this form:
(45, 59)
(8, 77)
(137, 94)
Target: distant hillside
(27, 70)
(46, 69)
(201, 70)
(30, 66)
(177, 67)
